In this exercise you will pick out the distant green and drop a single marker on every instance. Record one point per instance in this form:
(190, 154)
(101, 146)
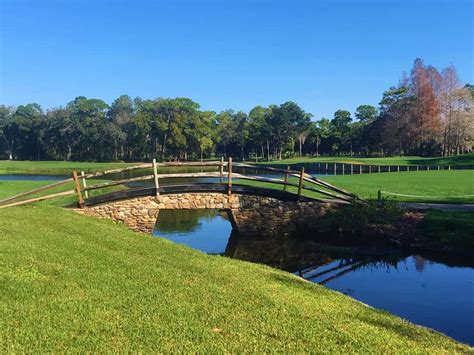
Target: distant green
(466, 159)
(70, 283)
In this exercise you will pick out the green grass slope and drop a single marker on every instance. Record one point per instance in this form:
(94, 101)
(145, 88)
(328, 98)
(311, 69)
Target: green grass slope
(73, 283)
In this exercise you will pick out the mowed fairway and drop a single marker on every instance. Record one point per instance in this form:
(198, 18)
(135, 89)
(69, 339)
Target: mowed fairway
(77, 284)
(455, 186)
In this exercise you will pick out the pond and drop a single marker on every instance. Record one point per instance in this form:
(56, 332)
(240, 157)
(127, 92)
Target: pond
(18, 177)
(435, 293)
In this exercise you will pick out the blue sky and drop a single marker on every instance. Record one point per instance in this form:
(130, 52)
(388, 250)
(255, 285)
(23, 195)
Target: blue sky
(324, 55)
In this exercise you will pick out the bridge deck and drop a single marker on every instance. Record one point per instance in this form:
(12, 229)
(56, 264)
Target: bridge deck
(203, 187)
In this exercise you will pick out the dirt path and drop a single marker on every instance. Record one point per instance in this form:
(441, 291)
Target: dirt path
(437, 206)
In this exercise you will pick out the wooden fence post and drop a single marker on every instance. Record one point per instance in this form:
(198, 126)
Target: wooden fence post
(286, 177)
(342, 168)
(438, 167)
(378, 169)
(398, 168)
(449, 167)
(326, 170)
(417, 168)
(155, 175)
(80, 202)
(370, 169)
(221, 169)
(335, 168)
(300, 185)
(360, 169)
(229, 177)
(84, 184)
(428, 168)
(352, 169)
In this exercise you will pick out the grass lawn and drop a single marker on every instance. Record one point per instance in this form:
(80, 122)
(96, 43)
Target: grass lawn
(54, 167)
(466, 159)
(74, 283)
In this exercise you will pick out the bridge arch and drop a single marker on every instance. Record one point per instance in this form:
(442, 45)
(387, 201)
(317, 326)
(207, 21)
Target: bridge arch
(252, 210)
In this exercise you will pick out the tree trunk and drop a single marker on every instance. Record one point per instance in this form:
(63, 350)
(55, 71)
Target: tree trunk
(165, 137)
(268, 150)
(38, 148)
(69, 153)
(10, 150)
(301, 145)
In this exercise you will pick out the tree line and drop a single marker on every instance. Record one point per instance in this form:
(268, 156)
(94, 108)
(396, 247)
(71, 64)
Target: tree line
(429, 113)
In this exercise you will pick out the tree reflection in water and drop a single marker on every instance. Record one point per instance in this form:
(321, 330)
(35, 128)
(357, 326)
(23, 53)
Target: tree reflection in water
(185, 221)
(306, 258)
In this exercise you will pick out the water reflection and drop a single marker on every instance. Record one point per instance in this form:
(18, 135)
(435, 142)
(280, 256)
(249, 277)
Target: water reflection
(205, 230)
(423, 291)
(433, 292)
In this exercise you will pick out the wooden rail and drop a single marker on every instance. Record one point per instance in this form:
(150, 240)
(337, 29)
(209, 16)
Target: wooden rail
(82, 189)
(37, 199)
(40, 189)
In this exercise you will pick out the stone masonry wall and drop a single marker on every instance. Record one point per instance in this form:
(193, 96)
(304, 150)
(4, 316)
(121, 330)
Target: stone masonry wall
(249, 214)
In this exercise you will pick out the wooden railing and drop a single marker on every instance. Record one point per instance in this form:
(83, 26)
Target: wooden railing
(333, 168)
(305, 182)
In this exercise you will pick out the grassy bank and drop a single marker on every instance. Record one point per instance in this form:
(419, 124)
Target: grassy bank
(73, 283)
(54, 167)
(466, 159)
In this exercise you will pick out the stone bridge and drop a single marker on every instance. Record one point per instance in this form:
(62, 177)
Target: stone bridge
(252, 210)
